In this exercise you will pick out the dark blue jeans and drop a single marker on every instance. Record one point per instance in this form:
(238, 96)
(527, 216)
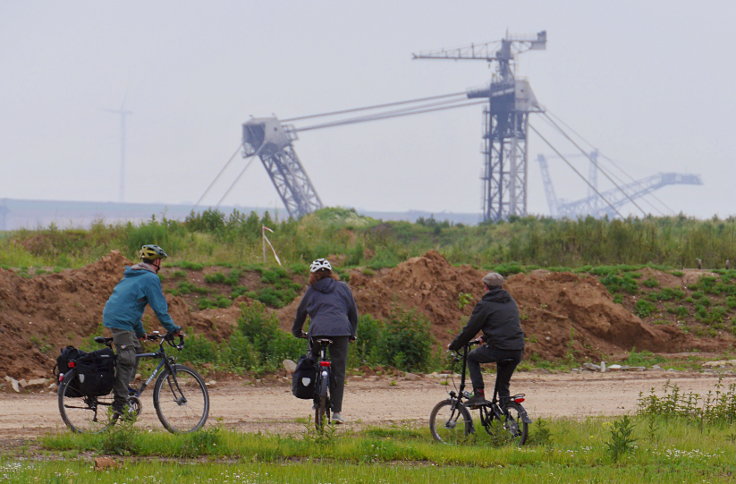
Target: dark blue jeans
(486, 354)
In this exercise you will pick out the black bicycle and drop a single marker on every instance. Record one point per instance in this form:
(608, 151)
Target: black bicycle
(180, 395)
(322, 412)
(450, 421)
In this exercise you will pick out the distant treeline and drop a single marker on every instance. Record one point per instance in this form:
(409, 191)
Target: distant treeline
(211, 237)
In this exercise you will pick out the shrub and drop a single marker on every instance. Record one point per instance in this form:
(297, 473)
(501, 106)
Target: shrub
(271, 344)
(615, 283)
(187, 287)
(644, 308)
(192, 266)
(217, 302)
(666, 294)
(621, 441)
(651, 283)
(408, 342)
(153, 232)
(198, 350)
(273, 297)
(210, 220)
(367, 349)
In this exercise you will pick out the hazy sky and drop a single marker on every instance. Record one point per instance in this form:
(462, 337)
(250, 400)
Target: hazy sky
(649, 83)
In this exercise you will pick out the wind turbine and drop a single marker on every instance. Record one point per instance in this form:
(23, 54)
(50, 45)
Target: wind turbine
(123, 114)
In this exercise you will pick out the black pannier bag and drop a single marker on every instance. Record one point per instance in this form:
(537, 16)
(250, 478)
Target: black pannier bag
(96, 372)
(70, 353)
(302, 380)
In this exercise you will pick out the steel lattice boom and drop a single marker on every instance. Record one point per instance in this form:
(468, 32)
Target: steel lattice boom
(271, 141)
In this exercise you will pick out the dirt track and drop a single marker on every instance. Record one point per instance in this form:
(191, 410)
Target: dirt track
(371, 401)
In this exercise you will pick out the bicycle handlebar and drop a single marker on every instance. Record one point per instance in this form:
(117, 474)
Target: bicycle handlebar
(168, 338)
(455, 355)
(155, 336)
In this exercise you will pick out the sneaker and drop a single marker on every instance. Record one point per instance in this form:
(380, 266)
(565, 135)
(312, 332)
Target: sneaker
(476, 400)
(337, 418)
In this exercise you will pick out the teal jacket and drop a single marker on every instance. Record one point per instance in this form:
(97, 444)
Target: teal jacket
(140, 286)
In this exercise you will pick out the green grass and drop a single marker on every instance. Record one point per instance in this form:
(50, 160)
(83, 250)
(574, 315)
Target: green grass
(675, 437)
(663, 450)
(311, 472)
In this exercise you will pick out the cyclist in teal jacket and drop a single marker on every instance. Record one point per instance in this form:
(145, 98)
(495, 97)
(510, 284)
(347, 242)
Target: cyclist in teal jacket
(123, 312)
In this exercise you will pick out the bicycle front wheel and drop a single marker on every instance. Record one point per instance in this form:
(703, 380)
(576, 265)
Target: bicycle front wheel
(83, 414)
(450, 422)
(181, 399)
(322, 403)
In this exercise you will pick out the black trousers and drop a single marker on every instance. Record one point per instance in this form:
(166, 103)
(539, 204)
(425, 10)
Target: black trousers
(338, 352)
(486, 354)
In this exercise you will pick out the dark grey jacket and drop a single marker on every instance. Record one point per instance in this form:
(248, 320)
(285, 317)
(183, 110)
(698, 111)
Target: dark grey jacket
(331, 309)
(497, 315)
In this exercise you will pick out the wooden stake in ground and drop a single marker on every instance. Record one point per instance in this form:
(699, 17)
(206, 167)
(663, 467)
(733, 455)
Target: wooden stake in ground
(266, 241)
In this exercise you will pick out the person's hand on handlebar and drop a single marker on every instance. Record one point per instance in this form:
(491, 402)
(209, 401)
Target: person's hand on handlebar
(174, 334)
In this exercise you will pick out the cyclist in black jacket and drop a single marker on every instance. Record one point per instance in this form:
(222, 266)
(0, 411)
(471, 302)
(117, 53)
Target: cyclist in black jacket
(497, 316)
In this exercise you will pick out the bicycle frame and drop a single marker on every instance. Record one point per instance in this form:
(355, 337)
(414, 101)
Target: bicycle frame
(491, 410)
(165, 361)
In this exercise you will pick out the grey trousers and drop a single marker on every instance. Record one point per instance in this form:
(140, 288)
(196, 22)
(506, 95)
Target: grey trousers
(126, 347)
(338, 352)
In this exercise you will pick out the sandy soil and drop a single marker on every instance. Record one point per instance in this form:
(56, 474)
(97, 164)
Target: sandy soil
(373, 401)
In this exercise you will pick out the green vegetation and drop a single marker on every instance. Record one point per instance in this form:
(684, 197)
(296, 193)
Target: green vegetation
(640, 448)
(717, 407)
(210, 238)
(257, 345)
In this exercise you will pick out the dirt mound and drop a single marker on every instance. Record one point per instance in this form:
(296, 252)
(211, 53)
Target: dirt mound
(428, 284)
(42, 314)
(571, 315)
(564, 315)
(47, 312)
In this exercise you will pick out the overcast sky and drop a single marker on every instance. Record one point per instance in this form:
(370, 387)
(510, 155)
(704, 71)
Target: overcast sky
(648, 83)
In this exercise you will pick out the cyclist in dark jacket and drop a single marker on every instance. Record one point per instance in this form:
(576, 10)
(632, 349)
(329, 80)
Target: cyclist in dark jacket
(333, 314)
(497, 316)
(123, 311)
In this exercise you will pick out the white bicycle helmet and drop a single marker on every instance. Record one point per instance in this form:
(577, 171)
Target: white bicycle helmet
(320, 264)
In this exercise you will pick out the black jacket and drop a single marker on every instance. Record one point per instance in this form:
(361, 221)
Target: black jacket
(497, 315)
(331, 309)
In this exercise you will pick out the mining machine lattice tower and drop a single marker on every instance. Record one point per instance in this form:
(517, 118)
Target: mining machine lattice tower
(505, 122)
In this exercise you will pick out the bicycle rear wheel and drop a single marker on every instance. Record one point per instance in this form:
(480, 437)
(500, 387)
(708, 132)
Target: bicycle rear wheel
(83, 414)
(450, 422)
(181, 399)
(511, 428)
(322, 402)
